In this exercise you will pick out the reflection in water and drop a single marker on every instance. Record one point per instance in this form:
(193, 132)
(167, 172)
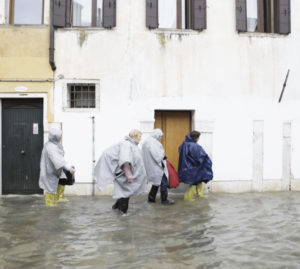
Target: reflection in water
(222, 231)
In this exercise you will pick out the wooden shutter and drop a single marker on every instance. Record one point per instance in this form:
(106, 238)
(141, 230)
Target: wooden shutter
(59, 16)
(261, 17)
(109, 13)
(198, 14)
(68, 13)
(152, 14)
(241, 15)
(283, 17)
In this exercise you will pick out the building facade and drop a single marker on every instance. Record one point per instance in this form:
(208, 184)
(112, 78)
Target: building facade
(26, 92)
(219, 67)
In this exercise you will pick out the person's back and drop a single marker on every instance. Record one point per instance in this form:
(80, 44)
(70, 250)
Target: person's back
(156, 167)
(195, 166)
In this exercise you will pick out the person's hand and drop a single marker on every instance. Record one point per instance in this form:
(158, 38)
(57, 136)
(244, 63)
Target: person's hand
(72, 170)
(129, 180)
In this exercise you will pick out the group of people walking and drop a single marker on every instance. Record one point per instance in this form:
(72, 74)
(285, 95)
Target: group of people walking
(130, 168)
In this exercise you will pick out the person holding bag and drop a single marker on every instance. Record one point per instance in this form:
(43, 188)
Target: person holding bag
(156, 167)
(51, 168)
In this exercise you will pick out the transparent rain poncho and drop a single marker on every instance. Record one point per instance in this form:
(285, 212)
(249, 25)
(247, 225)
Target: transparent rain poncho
(109, 169)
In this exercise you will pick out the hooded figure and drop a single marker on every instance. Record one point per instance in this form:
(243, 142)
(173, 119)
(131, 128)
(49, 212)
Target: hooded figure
(51, 167)
(122, 164)
(195, 166)
(156, 166)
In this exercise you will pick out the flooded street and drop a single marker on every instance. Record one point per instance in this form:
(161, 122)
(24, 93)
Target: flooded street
(223, 231)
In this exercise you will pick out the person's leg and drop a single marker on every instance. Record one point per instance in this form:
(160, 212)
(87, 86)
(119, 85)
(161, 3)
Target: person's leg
(124, 202)
(59, 193)
(116, 204)
(152, 194)
(188, 196)
(200, 190)
(50, 199)
(164, 192)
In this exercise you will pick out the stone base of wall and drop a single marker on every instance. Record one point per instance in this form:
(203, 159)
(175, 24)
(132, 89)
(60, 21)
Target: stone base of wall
(236, 186)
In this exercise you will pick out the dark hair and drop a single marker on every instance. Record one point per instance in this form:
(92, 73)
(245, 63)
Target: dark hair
(195, 134)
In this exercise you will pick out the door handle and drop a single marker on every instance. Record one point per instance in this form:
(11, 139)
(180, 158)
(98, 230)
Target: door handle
(22, 152)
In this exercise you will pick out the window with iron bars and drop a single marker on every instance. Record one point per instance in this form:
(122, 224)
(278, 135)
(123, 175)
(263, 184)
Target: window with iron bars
(81, 95)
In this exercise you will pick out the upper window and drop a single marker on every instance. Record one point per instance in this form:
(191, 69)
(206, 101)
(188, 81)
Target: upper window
(85, 13)
(26, 11)
(265, 16)
(172, 15)
(176, 14)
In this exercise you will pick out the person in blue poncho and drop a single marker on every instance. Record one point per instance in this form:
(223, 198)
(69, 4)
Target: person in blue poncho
(194, 167)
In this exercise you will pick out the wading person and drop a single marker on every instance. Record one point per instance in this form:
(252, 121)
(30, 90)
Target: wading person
(156, 167)
(51, 168)
(123, 165)
(194, 167)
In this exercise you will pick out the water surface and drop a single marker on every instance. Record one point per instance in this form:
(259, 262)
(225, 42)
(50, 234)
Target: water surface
(222, 231)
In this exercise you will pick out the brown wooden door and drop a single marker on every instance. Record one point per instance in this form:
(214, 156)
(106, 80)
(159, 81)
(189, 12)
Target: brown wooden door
(175, 126)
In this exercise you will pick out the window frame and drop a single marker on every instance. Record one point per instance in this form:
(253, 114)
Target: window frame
(188, 15)
(65, 92)
(271, 20)
(12, 12)
(195, 16)
(93, 16)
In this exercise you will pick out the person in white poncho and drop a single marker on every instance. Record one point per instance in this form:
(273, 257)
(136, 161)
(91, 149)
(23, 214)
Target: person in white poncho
(51, 168)
(122, 164)
(156, 167)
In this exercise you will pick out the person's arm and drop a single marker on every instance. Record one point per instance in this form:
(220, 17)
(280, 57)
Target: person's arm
(127, 170)
(69, 168)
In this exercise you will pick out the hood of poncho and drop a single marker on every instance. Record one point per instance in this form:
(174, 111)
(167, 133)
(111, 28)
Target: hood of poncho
(54, 136)
(157, 134)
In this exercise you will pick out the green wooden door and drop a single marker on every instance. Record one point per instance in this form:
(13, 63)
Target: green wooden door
(22, 143)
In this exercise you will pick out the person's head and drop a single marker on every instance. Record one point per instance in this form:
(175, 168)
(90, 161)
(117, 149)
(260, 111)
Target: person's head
(136, 135)
(55, 135)
(195, 135)
(157, 134)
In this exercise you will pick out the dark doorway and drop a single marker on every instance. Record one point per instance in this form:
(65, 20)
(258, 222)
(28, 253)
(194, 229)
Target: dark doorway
(22, 143)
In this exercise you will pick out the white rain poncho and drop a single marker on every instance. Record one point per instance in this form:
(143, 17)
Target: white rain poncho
(109, 169)
(52, 162)
(153, 156)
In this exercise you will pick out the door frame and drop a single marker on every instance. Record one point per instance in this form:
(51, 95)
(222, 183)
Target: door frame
(23, 96)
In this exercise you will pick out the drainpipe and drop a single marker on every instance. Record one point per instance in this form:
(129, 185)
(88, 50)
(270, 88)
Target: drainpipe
(93, 154)
(51, 49)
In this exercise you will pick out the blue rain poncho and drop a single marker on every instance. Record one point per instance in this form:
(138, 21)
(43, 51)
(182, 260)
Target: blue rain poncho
(52, 162)
(109, 169)
(194, 164)
(153, 156)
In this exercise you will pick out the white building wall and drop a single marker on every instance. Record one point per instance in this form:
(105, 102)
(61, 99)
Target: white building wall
(228, 79)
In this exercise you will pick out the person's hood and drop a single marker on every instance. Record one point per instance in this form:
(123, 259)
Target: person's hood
(130, 139)
(188, 138)
(157, 134)
(54, 135)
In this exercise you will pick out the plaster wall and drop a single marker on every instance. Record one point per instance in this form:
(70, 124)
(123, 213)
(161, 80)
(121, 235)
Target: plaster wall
(227, 78)
(24, 57)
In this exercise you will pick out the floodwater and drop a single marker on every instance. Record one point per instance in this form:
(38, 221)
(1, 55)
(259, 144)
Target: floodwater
(255, 230)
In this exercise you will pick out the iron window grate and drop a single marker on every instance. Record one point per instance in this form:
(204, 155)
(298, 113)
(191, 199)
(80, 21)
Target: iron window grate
(82, 95)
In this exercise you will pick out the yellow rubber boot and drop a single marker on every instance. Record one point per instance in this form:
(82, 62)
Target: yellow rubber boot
(188, 196)
(50, 199)
(59, 194)
(200, 191)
